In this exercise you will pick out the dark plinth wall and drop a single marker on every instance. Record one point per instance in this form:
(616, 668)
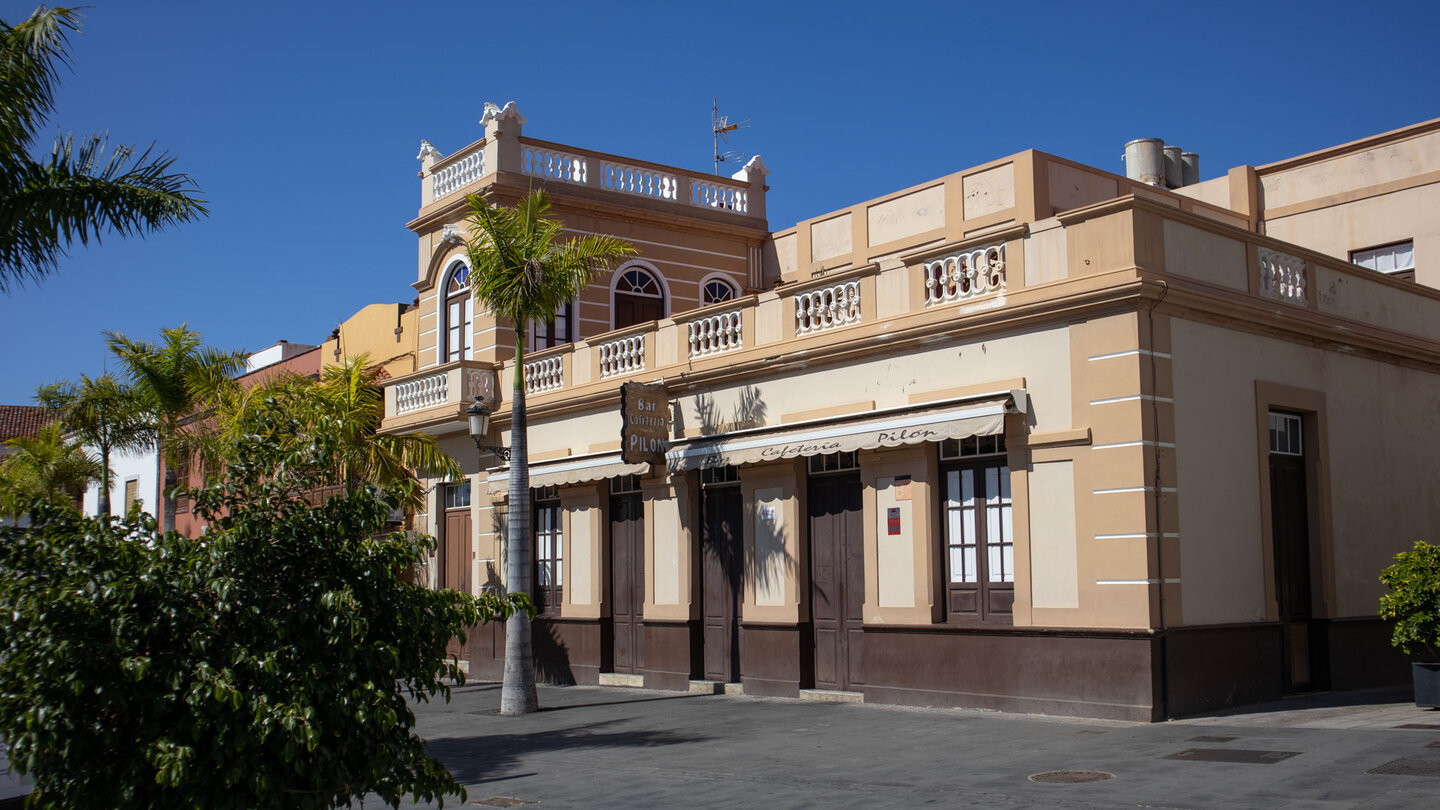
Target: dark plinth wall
(1124, 675)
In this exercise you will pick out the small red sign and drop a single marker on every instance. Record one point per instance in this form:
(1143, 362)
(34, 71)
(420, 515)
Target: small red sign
(892, 518)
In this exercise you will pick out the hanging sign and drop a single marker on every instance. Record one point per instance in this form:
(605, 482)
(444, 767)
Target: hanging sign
(644, 423)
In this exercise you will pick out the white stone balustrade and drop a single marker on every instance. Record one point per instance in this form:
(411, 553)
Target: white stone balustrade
(966, 275)
(623, 356)
(1282, 276)
(715, 334)
(827, 308)
(424, 392)
(707, 194)
(545, 374)
(638, 181)
(459, 174)
(553, 165)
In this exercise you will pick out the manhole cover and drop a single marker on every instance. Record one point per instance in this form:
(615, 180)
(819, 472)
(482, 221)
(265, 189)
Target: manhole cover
(501, 801)
(1070, 777)
(1204, 738)
(1237, 755)
(1409, 766)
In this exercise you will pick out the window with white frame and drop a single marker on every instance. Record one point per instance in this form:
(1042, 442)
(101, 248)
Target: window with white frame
(717, 290)
(1396, 260)
(978, 529)
(459, 311)
(1286, 434)
(549, 540)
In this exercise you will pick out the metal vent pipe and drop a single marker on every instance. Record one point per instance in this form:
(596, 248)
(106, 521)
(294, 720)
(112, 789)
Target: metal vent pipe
(1145, 160)
(1190, 164)
(1174, 174)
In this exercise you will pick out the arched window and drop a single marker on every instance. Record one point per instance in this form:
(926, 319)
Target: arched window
(716, 290)
(638, 297)
(459, 309)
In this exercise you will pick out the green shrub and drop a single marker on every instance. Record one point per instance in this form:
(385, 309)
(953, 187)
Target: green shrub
(266, 664)
(1413, 603)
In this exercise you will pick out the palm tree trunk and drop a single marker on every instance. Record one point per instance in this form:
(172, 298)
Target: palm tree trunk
(517, 694)
(103, 505)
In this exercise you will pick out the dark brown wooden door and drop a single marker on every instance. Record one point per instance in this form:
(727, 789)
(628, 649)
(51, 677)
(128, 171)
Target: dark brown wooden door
(627, 580)
(455, 557)
(837, 580)
(1290, 530)
(633, 309)
(721, 550)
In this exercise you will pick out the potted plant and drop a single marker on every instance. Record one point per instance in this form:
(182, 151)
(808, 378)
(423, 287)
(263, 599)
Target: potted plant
(1413, 605)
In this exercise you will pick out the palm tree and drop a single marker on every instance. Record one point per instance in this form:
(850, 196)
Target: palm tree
(179, 379)
(331, 423)
(348, 406)
(79, 190)
(522, 271)
(103, 413)
(44, 468)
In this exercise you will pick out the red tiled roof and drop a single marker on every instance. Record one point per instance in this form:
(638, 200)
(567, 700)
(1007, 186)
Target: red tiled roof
(22, 420)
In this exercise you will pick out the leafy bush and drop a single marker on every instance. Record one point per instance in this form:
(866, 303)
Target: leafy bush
(1413, 603)
(266, 664)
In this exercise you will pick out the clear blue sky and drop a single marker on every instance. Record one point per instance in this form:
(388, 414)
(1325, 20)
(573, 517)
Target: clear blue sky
(301, 121)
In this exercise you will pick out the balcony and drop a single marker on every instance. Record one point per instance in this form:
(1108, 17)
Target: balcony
(447, 178)
(434, 400)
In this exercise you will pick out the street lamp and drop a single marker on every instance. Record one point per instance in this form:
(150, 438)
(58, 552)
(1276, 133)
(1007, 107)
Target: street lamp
(479, 414)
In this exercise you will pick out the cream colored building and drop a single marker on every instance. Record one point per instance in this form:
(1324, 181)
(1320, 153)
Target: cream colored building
(1030, 436)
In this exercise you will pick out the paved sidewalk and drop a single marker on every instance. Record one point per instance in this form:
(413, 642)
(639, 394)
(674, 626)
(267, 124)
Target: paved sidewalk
(599, 747)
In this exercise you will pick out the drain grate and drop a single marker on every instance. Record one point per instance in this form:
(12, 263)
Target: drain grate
(1204, 738)
(1409, 766)
(1236, 755)
(501, 801)
(1070, 777)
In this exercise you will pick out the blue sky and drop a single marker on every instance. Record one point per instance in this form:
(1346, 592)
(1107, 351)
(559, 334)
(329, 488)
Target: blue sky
(301, 121)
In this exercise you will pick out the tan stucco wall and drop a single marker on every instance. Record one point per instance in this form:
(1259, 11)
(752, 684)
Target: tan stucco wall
(372, 332)
(1380, 502)
(1393, 217)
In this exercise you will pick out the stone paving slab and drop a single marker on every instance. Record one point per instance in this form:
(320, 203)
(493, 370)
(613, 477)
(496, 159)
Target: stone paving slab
(601, 747)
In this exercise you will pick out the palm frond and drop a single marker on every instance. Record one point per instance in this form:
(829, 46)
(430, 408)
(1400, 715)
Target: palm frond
(46, 208)
(30, 56)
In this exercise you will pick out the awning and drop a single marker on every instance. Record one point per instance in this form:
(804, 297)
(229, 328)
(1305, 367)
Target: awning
(570, 470)
(890, 428)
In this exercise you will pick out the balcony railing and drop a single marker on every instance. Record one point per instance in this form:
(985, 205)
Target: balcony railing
(827, 308)
(716, 334)
(623, 356)
(444, 176)
(422, 393)
(545, 374)
(1282, 276)
(965, 275)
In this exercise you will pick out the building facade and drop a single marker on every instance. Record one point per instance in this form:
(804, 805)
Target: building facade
(1031, 436)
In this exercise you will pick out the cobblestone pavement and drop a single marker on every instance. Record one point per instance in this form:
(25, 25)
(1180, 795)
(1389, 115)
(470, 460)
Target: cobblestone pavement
(601, 747)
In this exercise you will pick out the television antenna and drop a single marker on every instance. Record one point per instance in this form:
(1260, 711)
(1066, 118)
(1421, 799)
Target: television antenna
(721, 127)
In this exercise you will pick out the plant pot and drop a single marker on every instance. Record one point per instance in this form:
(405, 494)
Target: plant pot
(1427, 683)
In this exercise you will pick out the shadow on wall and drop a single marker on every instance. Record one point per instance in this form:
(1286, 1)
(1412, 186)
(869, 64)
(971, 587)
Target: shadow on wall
(770, 563)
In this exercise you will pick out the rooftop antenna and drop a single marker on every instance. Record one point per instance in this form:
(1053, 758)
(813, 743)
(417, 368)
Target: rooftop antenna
(721, 126)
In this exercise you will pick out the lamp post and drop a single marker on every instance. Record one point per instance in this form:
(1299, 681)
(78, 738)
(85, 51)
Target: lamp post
(479, 414)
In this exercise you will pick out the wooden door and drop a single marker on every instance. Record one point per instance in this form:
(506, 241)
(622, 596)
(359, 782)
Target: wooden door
(1290, 531)
(627, 580)
(633, 309)
(455, 558)
(837, 580)
(721, 550)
